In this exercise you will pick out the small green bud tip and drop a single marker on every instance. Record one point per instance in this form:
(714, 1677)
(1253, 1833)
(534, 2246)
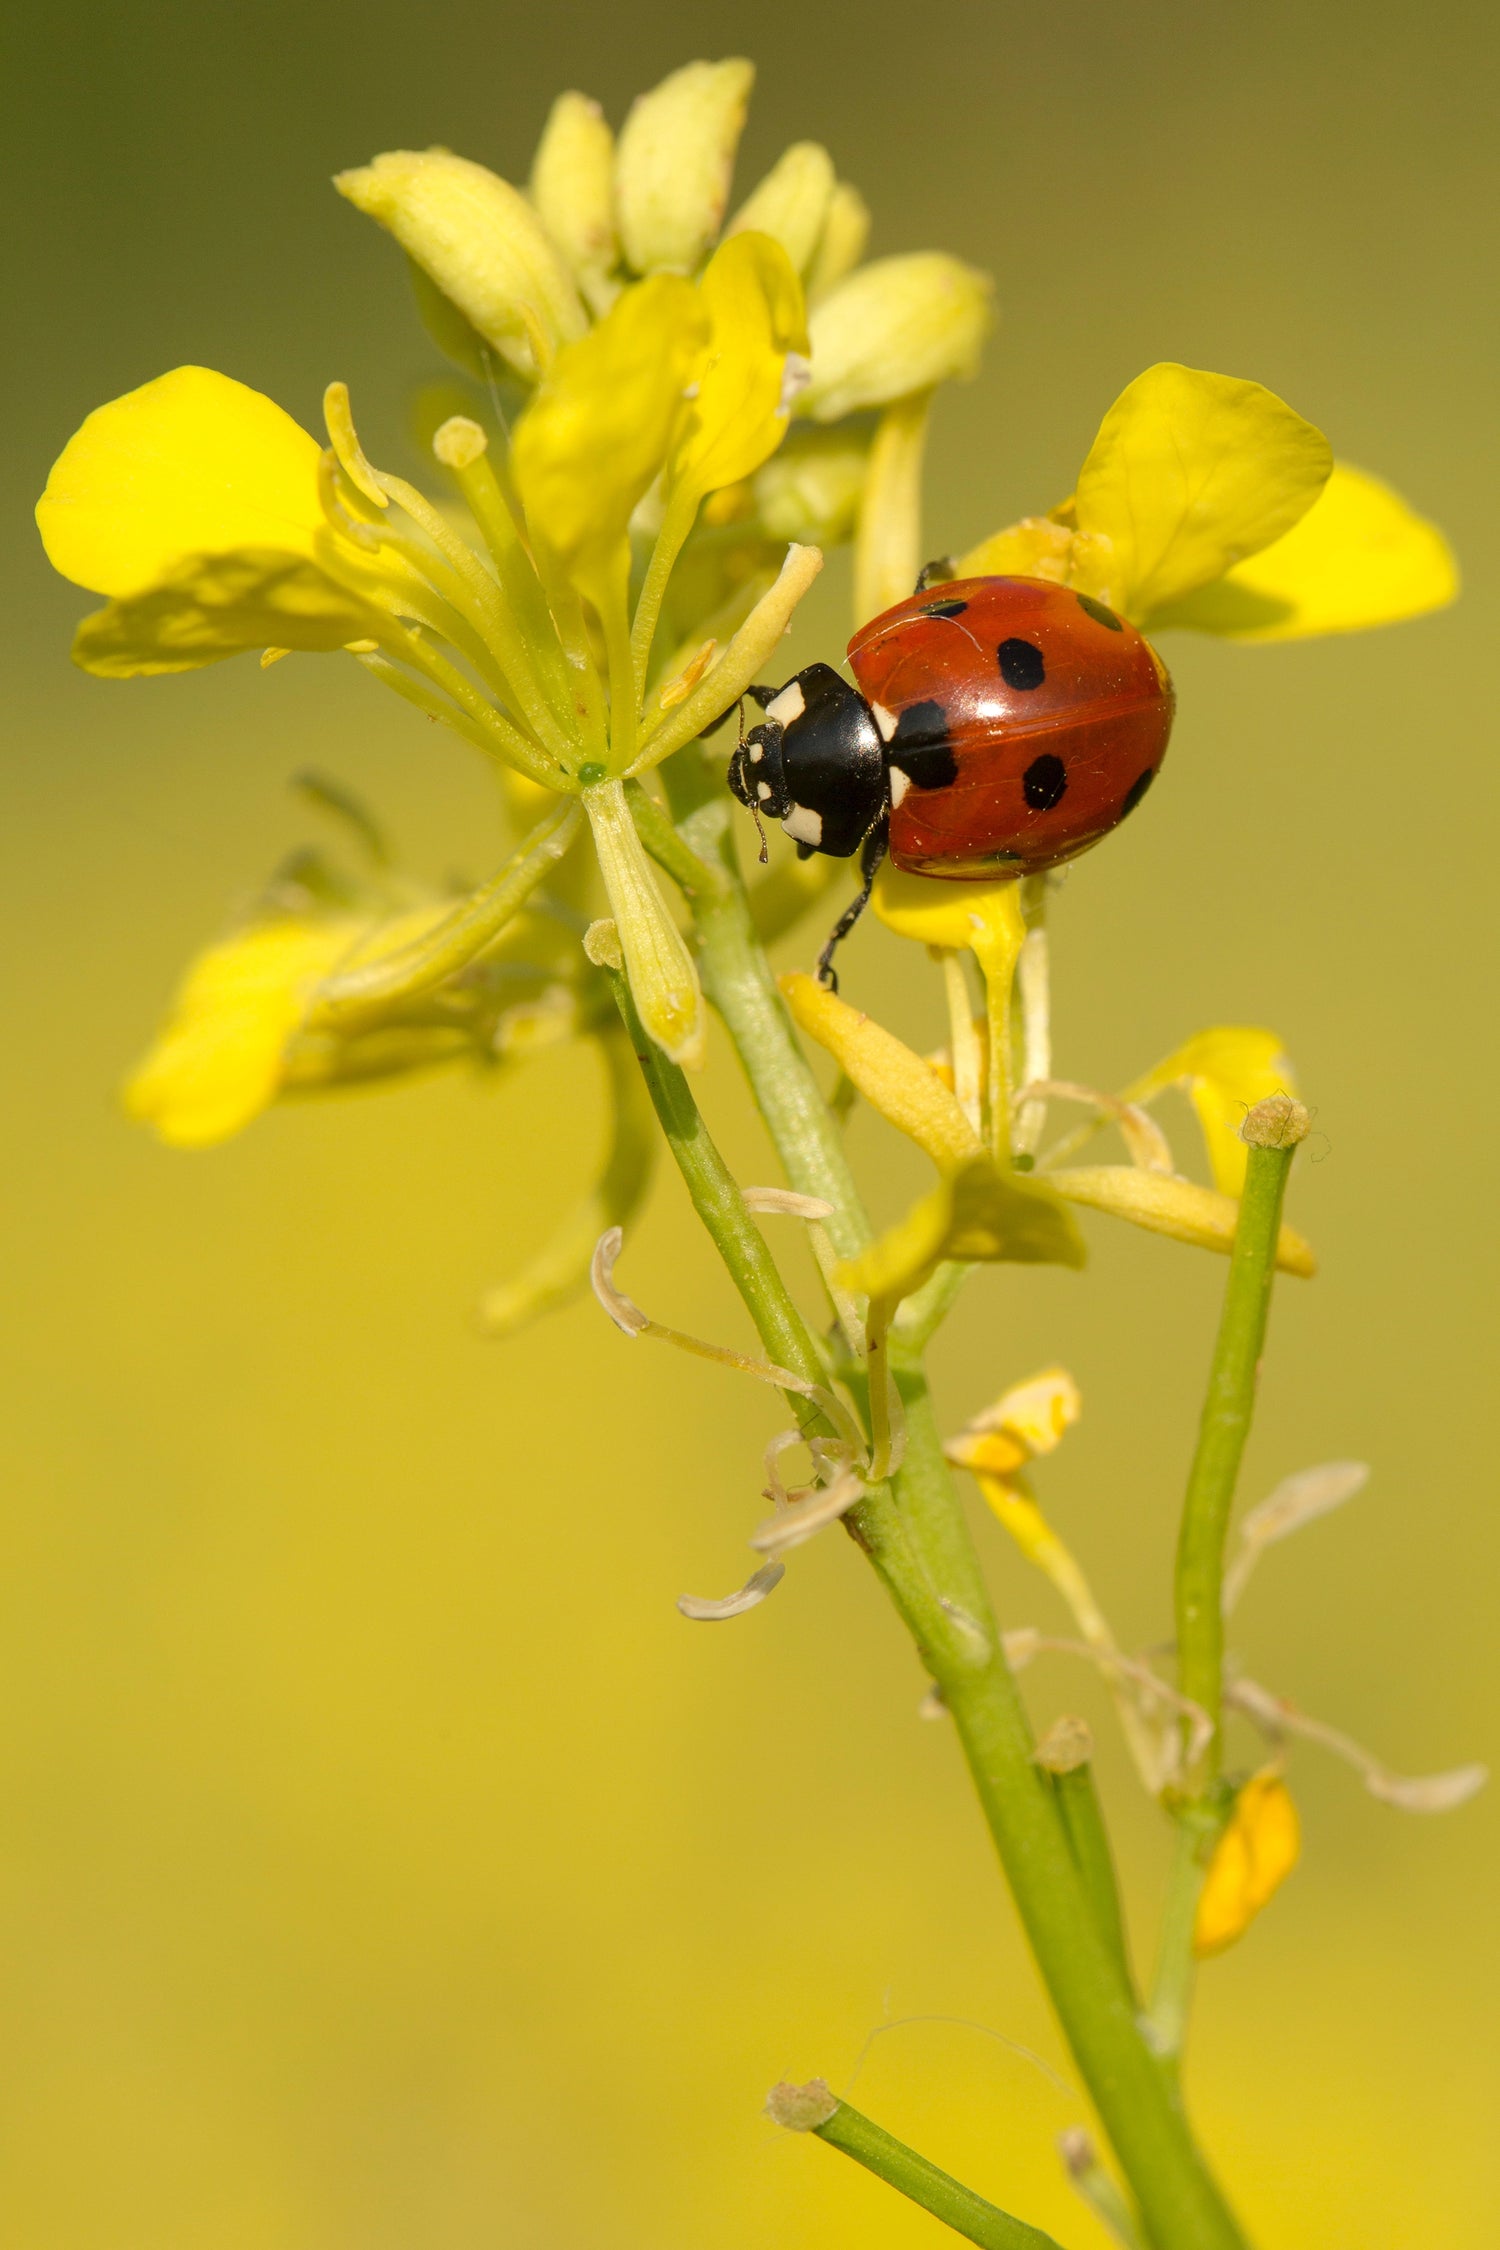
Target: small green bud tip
(1277, 1122)
(591, 773)
(1067, 1745)
(801, 2109)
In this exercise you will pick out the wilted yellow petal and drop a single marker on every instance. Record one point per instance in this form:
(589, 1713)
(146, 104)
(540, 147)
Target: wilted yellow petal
(218, 605)
(218, 1060)
(895, 326)
(846, 230)
(480, 240)
(675, 163)
(739, 416)
(190, 464)
(906, 1090)
(1178, 1208)
(1252, 1859)
(1190, 473)
(599, 427)
(791, 202)
(1226, 1070)
(1033, 1416)
(979, 1213)
(572, 186)
(1359, 557)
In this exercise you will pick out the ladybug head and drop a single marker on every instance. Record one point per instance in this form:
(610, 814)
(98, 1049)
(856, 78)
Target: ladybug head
(816, 763)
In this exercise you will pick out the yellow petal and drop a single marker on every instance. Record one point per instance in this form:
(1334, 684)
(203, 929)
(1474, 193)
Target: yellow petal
(190, 464)
(217, 605)
(906, 1090)
(572, 186)
(675, 163)
(1177, 1208)
(1189, 474)
(218, 1060)
(846, 230)
(1359, 557)
(895, 326)
(739, 416)
(1252, 1859)
(977, 916)
(598, 430)
(979, 1213)
(480, 240)
(1226, 1070)
(791, 202)
(1031, 1418)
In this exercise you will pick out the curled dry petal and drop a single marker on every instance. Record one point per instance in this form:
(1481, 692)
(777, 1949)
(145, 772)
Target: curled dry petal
(621, 1311)
(1296, 1500)
(1423, 1793)
(794, 1526)
(754, 1591)
(787, 1202)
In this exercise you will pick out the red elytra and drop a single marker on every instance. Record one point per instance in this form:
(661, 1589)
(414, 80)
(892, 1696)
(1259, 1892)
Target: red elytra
(1055, 711)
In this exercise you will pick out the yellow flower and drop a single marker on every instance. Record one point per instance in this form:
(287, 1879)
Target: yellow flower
(1206, 501)
(1252, 1859)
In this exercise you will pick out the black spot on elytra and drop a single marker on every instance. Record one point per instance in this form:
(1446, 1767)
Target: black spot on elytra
(944, 609)
(921, 748)
(1045, 782)
(1137, 790)
(1099, 613)
(1021, 664)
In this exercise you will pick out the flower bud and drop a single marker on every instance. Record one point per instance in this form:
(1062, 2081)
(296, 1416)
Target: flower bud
(675, 162)
(899, 325)
(846, 230)
(572, 186)
(481, 242)
(810, 491)
(1277, 1122)
(663, 980)
(791, 202)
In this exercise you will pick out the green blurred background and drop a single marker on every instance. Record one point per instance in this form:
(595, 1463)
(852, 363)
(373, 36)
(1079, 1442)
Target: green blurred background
(383, 1861)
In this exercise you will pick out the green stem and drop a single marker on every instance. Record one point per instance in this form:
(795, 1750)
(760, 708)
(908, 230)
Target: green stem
(1088, 1840)
(1225, 1425)
(1172, 1989)
(920, 1544)
(911, 2175)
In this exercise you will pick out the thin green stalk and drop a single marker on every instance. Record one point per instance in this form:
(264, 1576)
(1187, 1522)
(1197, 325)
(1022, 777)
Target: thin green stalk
(911, 2175)
(1172, 1988)
(1139, 2107)
(1227, 1411)
(1088, 1840)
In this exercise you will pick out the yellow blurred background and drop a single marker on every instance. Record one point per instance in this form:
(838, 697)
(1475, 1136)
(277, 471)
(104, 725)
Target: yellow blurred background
(383, 1861)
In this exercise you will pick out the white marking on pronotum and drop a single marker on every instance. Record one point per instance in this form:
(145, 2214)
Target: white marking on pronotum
(900, 783)
(885, 720)
(788, 1201)
(764, 791)
(754, 1591)
(757, 752)
(789, 705)
(804, 825)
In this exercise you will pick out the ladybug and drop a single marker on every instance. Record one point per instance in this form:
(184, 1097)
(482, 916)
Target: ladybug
(997, 726)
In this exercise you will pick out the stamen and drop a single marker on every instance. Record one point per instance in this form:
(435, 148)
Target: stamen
(362, 535)
(1423, 1793)
(754, 1591)
(344, 439)
(1296, 1500)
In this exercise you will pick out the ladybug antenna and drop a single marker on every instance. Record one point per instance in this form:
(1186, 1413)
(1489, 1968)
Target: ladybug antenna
(872, 852)
(751, 806)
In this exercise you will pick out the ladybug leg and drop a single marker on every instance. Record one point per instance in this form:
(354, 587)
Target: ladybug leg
(871, 853)
(931, 574)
